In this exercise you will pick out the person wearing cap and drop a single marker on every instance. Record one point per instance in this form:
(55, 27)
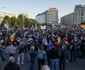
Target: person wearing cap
(11, 64)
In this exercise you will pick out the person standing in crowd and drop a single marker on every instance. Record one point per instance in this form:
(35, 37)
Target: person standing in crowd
(41, 57)
(49, 45)
(82, 48)
(1, 50)
(57, 45)
(45, 43)
(21, 50)
(78, 48)
(62, 58)
(30, 43)
(12, 38)
(11, 65)
(24, 40)
(54, 58)
(36, 45)
(73, 49)
(48, 57)
(33, 55)
(11, 50)
(0, 57)
(45, 67)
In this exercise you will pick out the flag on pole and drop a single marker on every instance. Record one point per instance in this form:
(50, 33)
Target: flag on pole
(81, 26)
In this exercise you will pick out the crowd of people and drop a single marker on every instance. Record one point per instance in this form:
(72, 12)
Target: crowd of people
(55, 45)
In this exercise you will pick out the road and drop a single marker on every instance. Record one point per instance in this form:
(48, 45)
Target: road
(79, 64)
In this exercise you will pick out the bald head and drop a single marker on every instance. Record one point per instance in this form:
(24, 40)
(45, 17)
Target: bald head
(45, 67)
(11, 59)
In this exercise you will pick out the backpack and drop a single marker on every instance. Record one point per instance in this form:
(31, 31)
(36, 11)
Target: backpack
(21, 45)
(41, 54)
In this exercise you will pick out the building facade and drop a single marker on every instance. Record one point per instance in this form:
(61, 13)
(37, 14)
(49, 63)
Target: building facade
(3, 14)
(76, 17)
(50, 16)
(68, 19)
(41, 18)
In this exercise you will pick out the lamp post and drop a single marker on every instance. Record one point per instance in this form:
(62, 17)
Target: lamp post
(23, 22)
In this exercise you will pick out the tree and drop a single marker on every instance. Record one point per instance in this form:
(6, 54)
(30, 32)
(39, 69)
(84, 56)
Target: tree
(6, 20)
(27, 22)
(20, 20)
(13, 21)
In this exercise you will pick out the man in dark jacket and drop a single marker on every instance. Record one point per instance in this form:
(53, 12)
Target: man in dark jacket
(54, 58)
(62, 57)
(82, 48)
(11, 65)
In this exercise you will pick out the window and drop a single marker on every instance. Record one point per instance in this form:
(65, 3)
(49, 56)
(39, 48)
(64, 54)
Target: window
(81, 21)
(81, 13)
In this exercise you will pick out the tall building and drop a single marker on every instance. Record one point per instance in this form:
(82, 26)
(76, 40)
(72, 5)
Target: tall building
(76, 17)
(79, 14)
(68, 19)
(50, 16)
(3, 14)
(41, 18)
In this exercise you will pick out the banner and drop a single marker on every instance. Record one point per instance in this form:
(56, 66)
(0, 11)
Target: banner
(6, 26)
(43, 27)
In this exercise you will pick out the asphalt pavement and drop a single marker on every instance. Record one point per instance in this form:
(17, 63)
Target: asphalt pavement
(79, 64)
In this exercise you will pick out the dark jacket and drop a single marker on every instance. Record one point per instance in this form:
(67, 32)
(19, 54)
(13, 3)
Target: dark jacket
(54, 53)
(0, 52)
(82, 45)
(11, 66)
(32, 54)
(63, 55)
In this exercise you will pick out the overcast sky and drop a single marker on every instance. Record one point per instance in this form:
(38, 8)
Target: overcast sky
(34, 7)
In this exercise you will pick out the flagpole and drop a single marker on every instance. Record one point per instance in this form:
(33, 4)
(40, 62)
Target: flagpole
(23, 22)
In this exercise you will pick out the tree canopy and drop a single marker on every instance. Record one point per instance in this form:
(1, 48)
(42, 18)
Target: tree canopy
(19, 21)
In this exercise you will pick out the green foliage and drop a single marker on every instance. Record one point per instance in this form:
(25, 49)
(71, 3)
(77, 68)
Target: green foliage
(13, 21)
(6, 20)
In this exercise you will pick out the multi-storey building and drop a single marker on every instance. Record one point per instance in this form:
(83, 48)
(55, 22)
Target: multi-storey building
(77, 17)
(68, 19)
(3, 14)
(50, 16)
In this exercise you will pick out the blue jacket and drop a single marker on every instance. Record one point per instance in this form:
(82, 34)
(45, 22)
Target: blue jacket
(49, 45)
(41, 54)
